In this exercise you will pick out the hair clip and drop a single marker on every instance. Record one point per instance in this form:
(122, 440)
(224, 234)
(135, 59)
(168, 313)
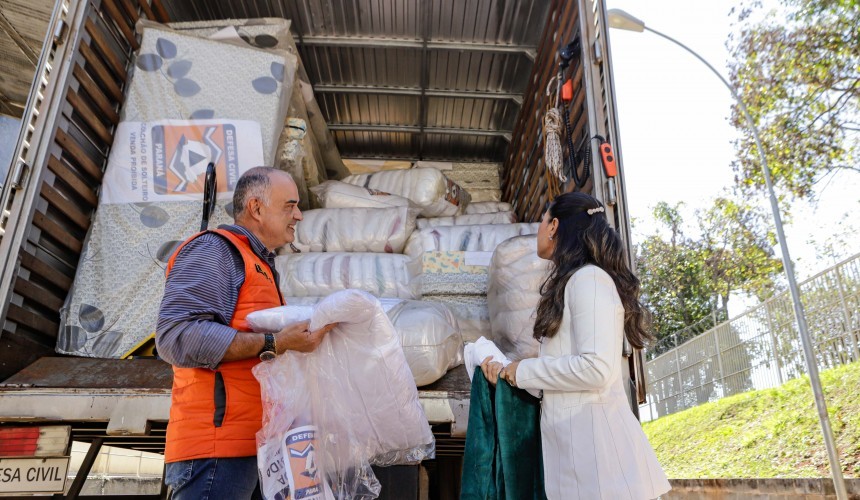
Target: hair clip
(592, 211)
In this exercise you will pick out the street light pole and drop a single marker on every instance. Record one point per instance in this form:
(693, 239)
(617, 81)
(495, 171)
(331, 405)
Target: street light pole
(622, 20)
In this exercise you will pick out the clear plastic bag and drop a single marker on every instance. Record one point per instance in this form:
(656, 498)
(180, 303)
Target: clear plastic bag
(426, 187)
(337, 194)
(429, 332)
(516, 275)
(357, 392)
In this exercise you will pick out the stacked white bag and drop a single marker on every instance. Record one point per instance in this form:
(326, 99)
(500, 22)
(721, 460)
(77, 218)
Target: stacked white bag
(468, 219)
(486, 207)
(356, 242)
(375, 230)
(428, 188)
(337, 194)
(516, 275)
(428, 332)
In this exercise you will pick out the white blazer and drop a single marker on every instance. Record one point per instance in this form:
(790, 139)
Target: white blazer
(593, 446)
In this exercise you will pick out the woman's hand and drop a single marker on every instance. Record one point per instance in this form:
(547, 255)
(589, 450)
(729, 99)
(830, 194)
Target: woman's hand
(491, 369)
(509, 373)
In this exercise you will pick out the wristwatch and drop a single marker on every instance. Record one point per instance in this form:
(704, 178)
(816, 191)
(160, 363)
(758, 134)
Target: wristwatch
(268, 351)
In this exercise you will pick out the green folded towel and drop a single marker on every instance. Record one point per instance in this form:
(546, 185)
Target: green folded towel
(503, 449)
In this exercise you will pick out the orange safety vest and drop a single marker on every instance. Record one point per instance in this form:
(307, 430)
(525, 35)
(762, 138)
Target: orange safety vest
(217, 413)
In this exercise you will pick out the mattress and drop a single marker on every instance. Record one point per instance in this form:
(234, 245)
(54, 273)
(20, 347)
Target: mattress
(182, 109)
(460, 273)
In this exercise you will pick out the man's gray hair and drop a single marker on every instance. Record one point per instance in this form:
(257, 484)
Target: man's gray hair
(254, 183)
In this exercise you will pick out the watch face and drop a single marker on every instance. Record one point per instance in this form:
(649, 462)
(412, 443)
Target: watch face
(267, 355)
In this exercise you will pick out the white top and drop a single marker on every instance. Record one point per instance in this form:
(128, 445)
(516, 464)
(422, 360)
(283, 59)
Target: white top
(593, 446)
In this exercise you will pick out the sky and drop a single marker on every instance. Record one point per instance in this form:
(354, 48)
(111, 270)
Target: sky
(675, 134)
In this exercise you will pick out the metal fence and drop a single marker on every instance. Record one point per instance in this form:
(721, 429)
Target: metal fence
(760, 348)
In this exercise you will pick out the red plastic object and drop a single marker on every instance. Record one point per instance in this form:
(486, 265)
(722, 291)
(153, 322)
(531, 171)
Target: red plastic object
(608, 159)
(567, 91)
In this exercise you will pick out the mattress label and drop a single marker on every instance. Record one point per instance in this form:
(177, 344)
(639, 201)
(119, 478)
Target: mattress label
(167, 160)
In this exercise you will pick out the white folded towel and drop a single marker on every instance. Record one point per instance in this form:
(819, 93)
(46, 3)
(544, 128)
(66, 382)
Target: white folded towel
(478, 350)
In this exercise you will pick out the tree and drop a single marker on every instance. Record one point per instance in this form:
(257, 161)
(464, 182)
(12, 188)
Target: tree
(799, 78)
(686, 279)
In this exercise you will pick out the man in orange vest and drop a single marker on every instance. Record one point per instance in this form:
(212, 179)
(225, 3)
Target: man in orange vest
(214, 280)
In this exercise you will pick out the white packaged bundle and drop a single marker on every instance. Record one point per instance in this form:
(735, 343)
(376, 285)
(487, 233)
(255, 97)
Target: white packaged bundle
(431, 339)
(468, 220)
(476, 238)
(337, 194)
(473, 316)
(516, 275)
(353, 398)
(321, 274)
(428, 331)
(428, 188)
(375, 230)
(485, 207)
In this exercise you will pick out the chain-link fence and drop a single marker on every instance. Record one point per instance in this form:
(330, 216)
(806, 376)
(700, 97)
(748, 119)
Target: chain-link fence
(760, 348)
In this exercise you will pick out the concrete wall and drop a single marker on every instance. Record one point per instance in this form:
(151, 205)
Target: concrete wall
(760, 489)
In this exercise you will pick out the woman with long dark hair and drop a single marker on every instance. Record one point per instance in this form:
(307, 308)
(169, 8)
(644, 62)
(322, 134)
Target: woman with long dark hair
(593, 446)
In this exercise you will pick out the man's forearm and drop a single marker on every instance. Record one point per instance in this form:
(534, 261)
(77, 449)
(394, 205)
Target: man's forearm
(245, 345)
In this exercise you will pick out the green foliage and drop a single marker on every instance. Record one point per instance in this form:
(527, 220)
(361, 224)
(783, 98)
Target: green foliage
(688, 278)
(763, 434)
(799, 75)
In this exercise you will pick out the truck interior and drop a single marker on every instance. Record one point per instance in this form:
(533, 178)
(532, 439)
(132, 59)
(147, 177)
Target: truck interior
(415, 80)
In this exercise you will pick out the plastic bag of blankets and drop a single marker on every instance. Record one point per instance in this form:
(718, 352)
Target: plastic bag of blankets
(321, 274)
(516, 275)
(351, 403)
(428, 188)
(375, 230)
(337, 194)
(428, 332)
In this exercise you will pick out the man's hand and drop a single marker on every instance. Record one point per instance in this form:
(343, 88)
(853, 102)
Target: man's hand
(297, 337)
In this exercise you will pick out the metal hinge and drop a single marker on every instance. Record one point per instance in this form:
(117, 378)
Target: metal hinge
(598, 52)
(60, 33)
(20, 174)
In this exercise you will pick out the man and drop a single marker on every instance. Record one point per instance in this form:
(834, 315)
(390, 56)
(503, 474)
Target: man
(214, 280)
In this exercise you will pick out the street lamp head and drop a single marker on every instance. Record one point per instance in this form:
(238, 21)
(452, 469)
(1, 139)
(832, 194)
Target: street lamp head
(622, 20)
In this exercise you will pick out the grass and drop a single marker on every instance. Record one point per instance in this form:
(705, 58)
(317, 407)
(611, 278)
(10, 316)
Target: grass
(763, 434)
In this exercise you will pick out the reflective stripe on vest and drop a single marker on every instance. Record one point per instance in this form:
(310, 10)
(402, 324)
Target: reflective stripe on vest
(217, 413)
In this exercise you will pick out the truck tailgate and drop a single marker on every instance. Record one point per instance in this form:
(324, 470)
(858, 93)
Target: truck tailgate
(127, 402)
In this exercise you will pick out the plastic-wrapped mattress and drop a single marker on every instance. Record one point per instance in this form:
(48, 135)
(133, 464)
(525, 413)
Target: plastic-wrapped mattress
(468, 220)
(380, 230)
(516, 275)
(321, 274)
(428, 188)
(189, 101)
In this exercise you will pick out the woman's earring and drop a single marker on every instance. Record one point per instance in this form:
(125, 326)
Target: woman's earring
(550, 237)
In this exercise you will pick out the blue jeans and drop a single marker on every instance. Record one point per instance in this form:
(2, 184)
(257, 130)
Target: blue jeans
(214, 479)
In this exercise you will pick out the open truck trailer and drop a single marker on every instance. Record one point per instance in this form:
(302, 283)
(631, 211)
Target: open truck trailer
(438, 80)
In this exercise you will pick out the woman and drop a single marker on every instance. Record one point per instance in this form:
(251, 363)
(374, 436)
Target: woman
(593, 446)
